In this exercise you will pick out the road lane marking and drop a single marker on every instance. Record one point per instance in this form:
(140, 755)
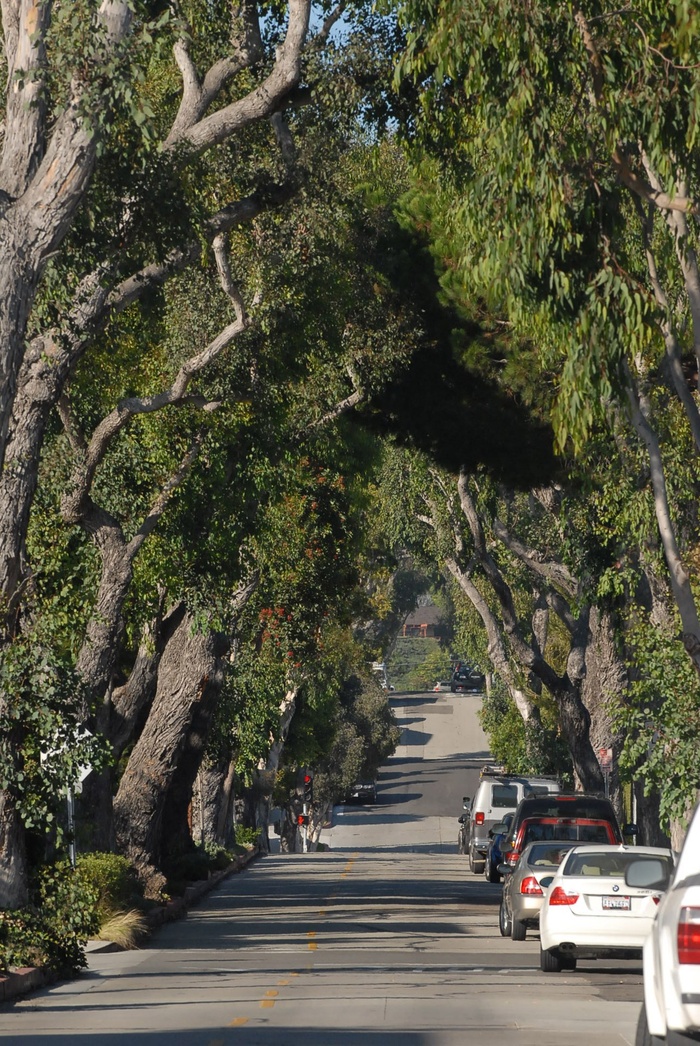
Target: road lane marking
(238, 1022)
(284, 981)
(267, 1004)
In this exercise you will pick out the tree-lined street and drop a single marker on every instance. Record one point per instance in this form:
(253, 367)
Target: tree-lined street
(384, 939)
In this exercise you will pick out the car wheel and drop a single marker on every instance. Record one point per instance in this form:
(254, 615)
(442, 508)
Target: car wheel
(550, 961)
(643, 1036)
(476, 863)
(518, 931)
(503, 921)
(491, 872)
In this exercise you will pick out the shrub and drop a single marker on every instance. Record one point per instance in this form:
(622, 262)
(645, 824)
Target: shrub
(247, 837)
(124, 929)
(112, 879)
(53, 930)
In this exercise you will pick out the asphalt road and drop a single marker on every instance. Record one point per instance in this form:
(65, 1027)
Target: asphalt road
(384, 940)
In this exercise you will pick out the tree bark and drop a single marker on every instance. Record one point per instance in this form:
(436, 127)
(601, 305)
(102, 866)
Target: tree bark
(266, 774)
(214, 803)
(13, 860)
(190, 675)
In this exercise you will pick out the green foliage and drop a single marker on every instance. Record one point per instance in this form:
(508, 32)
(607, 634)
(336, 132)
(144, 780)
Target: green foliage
(112, 879)
(660, 720)
(52, 932)
(42, 743)
(365, 735)
(247, 837)
(535, 749)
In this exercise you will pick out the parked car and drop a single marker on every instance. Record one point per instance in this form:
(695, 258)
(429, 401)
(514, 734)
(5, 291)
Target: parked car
(670, 1015)
(361, 792)
(497, 794)
(565, 808)
(467, 680)
(494, 853)
(442, 686)
(525, 885)
(591, 911)
(563, 829)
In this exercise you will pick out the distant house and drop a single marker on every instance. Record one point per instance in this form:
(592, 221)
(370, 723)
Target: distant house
(424, 622)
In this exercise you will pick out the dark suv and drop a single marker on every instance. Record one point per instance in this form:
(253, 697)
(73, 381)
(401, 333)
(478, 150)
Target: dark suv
(467, 680)
(564, 816)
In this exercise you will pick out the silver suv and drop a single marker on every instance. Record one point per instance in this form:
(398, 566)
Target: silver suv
(498, 793)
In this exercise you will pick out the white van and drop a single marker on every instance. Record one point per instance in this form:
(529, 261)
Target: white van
(498, 793)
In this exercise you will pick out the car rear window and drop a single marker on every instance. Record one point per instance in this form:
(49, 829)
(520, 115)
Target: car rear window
(569, 806)
(580, 833)
(549, 856)
(608, 864)
(504, 796)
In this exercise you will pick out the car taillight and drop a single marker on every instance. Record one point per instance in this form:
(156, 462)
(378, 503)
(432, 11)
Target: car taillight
(512, 856)
(478, 817)
(689, 936)
(530, 886)
(559, 896)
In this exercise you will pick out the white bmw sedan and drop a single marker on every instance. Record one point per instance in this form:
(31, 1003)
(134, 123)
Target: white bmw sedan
(589, 912)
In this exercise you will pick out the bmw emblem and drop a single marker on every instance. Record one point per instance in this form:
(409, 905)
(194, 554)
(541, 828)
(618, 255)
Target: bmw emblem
(615, 889)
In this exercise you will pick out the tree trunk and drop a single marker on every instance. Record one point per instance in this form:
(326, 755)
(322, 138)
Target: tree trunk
(266, 774)
(214, 802)
(178, 836)
(190, 675)
(13, 860)
(120, 718)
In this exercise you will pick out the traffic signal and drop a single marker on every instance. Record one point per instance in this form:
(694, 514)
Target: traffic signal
(302, 820)
(308, 792)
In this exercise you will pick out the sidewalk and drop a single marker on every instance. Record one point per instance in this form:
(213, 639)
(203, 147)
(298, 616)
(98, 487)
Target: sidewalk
(27, 979)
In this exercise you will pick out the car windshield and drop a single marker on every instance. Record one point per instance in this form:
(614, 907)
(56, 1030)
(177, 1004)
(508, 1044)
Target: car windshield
(546, 855)
(504, 796)
(612, 865)
(581, 833)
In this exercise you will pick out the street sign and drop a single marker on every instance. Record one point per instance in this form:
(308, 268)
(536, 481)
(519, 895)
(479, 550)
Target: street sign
(605, 758)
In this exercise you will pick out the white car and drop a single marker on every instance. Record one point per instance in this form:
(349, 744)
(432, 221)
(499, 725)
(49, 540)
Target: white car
(671, 1011)
(590, 912)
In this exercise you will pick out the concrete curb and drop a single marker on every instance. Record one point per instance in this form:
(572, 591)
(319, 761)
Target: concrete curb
(29, 978)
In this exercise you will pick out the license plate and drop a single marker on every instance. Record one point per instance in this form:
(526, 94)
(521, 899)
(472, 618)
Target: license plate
(619, 903)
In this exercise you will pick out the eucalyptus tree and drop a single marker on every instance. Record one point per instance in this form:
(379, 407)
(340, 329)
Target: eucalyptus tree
(567, 139)
(510, 555)
(119, 172)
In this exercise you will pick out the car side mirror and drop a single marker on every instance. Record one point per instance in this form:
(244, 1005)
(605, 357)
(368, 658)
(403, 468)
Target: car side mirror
(461, 819)
(499, 829)
(505, 869)
(648, 873)
(630, 829)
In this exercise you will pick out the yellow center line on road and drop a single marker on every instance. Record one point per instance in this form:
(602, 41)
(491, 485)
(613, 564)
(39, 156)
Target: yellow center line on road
(312, 944)
(283, 982)
(237, 1022)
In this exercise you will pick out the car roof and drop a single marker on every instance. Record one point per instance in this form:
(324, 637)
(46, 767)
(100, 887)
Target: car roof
(642, 851)
(554, 819)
